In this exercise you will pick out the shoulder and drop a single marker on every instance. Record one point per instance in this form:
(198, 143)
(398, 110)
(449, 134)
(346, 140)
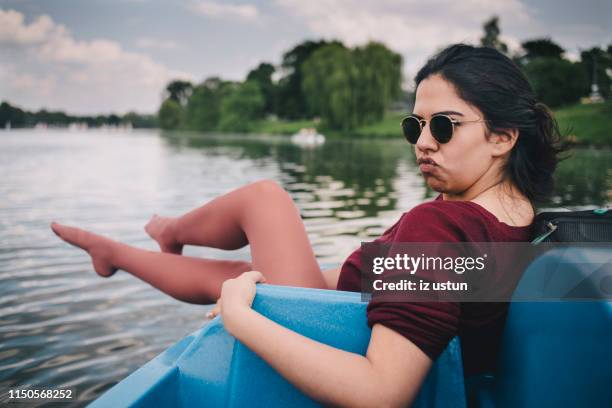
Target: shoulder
(441, 221)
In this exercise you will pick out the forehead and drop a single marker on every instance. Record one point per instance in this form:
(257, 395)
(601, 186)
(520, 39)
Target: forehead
(436, 94)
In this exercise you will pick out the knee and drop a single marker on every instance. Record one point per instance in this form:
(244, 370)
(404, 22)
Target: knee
(268, 188)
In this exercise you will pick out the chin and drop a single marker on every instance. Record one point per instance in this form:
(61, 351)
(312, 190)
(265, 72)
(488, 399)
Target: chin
(435, 184)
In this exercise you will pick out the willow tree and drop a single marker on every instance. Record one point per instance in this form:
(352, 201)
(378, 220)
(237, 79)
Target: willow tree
(378, 82)
(348, 88)
(329, 85)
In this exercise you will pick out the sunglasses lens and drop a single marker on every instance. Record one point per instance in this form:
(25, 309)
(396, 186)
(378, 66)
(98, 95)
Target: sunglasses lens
(412, 129)
(441, 128)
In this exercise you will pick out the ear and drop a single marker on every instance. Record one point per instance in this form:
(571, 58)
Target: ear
(503, 141)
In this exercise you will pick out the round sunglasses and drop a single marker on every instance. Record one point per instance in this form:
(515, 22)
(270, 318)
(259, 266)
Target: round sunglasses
(441, 127)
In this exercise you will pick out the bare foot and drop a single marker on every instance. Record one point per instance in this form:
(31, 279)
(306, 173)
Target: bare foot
(162, 230)
(97, 246)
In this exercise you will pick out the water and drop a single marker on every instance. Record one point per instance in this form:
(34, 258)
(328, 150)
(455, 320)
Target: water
(61, 326)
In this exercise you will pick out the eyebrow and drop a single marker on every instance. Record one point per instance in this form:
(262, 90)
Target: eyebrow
(441, 113)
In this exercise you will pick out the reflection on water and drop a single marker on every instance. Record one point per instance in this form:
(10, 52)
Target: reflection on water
(62, 326)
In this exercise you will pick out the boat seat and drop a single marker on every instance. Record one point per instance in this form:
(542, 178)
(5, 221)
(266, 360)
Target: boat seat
(555, 353)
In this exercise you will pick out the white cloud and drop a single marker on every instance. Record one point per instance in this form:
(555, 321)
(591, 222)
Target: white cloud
(14, 31)
(155, 43)
(77, 75)
(414, 28)
(245, 12)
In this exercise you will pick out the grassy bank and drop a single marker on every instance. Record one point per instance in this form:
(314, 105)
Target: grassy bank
(281, 127)
(583, 124)
(587, 124)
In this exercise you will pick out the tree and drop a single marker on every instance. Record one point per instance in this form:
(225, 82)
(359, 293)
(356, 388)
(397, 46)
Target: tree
(348, 88)
(243, 105)
(138, 120)
(379, 79)
(597, 63)
(329, 84)
(178, 91)
(170, 114)
(541, 48)
(262, 76)
(11, 115)
(556, 81)
(204, 105)
(491, 35)
(291, 102)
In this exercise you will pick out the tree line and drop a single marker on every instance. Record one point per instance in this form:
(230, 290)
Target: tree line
(344, 87)
(16, 117)
(556, 80)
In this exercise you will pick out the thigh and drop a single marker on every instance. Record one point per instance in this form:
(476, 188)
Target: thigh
(280, 247)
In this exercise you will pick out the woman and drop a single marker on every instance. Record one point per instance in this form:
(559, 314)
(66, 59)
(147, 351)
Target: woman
(481, 140)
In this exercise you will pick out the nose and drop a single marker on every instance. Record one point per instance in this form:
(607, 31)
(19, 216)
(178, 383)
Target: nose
(426, 141)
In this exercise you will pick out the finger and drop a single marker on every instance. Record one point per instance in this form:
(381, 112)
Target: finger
(212, 313)
(256, 276)
(215, 310)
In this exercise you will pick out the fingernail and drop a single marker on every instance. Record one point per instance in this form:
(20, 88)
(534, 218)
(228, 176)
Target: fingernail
(209, 315)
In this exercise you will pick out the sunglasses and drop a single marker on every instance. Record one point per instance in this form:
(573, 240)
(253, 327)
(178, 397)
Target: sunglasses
(441, 127)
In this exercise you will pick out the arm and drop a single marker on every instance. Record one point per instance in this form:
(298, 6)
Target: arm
(389, 375)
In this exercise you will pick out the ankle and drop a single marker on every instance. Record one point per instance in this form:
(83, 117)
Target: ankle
(174, 230)
(113, 251)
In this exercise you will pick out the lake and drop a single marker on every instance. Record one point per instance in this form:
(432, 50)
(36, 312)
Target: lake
(61, 326)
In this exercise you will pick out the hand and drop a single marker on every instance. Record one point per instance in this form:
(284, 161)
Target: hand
(236, 293)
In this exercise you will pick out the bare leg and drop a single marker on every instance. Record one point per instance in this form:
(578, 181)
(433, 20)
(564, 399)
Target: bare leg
(261, 214)
(193, 280)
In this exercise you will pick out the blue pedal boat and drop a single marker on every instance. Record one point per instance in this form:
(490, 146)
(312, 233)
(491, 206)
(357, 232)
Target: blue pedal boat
(554, 354)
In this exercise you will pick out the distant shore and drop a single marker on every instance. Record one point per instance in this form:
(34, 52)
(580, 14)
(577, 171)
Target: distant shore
(581, 125)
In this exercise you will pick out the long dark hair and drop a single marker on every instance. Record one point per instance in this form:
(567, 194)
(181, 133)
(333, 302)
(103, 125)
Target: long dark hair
(492, 82)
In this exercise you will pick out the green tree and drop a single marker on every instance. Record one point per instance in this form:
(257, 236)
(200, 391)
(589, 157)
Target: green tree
(11, 115)
(491, 35)
(348, 88)
(170, 114)
(541, 48)
(243, 105)
(556, 81)
(262, 76)
(204, 105)
(291, 102)
(178, 91)
(597, 63)
(379, 79)
(329, 84)
(139, 120)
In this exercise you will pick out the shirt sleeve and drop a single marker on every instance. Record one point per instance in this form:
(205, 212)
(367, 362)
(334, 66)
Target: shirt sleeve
(429, 325)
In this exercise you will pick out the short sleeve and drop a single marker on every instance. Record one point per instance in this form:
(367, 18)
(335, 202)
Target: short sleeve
(429, 325)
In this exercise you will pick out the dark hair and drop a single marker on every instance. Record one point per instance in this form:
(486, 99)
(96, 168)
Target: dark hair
(492, 82)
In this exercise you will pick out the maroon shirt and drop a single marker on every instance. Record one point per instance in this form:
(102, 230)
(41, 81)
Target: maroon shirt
(431, 325)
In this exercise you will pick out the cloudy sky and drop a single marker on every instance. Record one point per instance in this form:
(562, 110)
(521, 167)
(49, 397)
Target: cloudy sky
(101, 56)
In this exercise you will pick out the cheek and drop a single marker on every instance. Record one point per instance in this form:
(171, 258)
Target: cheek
(465, 164)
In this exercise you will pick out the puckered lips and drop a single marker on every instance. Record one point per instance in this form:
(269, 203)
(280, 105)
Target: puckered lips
(426, 164)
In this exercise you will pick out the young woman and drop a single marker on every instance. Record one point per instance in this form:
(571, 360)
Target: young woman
(480, 139)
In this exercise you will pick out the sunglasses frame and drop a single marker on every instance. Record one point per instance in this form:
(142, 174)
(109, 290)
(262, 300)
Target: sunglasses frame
(422, 122)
